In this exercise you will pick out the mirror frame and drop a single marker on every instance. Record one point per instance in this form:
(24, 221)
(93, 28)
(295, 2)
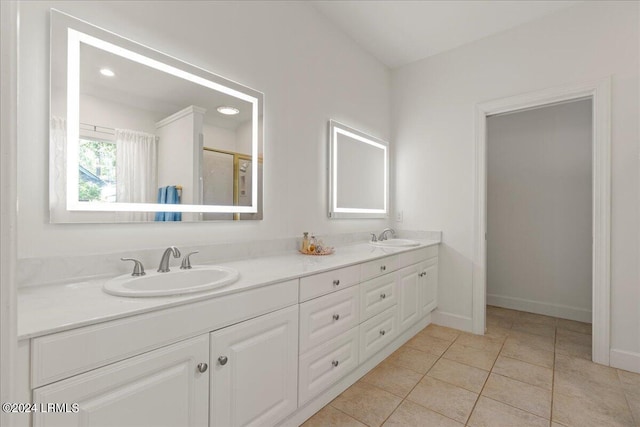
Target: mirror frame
(74, 31)
(336, 211)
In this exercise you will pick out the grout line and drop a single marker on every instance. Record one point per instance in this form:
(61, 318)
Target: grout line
(421, 378)
(553, 376)
(485, 381)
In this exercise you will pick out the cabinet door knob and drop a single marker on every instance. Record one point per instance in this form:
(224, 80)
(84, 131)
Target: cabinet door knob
(335, 363)
(202, 367)
(222, 360)
(382, 332)
(383, 296)
(336, 316)
(336, 282)
(383, 267)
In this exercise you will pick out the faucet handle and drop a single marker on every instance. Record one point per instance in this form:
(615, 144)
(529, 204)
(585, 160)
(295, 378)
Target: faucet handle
(186, 262)
(138, 268)
(374, 238)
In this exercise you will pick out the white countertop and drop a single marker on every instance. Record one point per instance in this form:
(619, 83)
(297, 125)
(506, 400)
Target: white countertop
(47, 309)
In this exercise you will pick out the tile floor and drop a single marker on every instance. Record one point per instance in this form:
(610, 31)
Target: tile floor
(528, 370)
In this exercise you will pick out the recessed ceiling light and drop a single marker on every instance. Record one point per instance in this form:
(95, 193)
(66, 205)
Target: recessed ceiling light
(229, 111)
(107, 72)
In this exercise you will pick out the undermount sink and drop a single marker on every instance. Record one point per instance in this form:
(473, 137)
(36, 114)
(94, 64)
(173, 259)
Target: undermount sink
(175, 282)
(395, 243)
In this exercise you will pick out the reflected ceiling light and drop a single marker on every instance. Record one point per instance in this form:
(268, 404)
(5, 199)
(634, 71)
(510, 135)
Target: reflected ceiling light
(228, 111)
(107, 72)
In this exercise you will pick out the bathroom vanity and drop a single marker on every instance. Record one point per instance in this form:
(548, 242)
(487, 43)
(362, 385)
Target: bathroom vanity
(270, 349)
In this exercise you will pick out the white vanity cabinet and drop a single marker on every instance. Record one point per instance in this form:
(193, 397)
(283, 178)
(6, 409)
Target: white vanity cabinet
(164, 387)
(428, 283)
(254, 371)
(409, 284)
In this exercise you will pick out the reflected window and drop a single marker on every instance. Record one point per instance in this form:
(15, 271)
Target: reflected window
(97, 171)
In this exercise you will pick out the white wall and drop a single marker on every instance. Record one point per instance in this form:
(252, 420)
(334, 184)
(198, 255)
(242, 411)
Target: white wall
(433, 103)
(101, 112)
(308, 70)
(539, 214)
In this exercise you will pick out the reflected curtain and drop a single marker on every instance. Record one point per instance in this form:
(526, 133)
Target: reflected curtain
(136, 171)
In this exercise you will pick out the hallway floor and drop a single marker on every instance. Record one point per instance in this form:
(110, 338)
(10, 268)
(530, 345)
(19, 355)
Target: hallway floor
(528, 370)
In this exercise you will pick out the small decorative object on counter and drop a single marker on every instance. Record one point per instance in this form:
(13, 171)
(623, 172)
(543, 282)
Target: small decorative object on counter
(305, 242)
(316, 247)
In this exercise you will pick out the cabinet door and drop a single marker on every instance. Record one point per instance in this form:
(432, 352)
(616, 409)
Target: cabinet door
(254, 370)
(161, 388)
(408, 290)
(428, 286)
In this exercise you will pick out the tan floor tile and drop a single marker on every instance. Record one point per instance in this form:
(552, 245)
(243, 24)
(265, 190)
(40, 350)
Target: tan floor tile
(534, 328)
(393, 378)
(490, 413)
(633, 399)
(574, 344)
(537, 318)
(446, 399)
(502, 312)
(331, 417)
(521, 395)
(594, 411)
(555, 424)
(523, 371)
(499, 321)
(538, 341)
(442, 332)
(455, 373)
(428, 344)
(410, 414)
(582, 378)
(572, 325)
(481, 342)
(630, 380)
(496, 332)
(482, 359)
(524, 351)
(413, 359)
(367, 403)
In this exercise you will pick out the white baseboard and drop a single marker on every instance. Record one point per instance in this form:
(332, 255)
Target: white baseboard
(308, 409)
(451, 320)
(540, 307)
(627, 360)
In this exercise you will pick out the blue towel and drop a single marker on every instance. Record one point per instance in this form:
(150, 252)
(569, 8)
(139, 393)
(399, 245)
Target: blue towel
(168, 196)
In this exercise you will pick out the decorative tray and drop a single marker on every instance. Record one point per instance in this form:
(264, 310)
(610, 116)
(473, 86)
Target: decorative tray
(324, 251)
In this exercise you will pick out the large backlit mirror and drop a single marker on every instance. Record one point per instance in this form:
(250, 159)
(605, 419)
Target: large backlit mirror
(139, 136)
(358, 174)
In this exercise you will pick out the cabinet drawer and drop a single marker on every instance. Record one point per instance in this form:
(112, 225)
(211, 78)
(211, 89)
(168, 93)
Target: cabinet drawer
(324, 283)
(324, 365)
(406, 259)
(376, 295)
(326, 317)
(377, 332)
(378, 267)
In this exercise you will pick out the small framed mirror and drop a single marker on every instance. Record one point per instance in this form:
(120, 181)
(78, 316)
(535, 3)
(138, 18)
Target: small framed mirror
(358, 174)
(140, 136)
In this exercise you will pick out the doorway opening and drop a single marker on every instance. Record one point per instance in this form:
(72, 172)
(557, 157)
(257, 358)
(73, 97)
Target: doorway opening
(598, 95)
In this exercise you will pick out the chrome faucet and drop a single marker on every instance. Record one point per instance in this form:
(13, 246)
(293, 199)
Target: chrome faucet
(383, 235)
(164, 261)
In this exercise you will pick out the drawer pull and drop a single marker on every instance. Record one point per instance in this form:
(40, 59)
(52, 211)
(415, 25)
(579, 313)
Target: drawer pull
(383, 267)
(222, 360)
(335, 363)
(422, 274)
(382, 332)
(336, 282)
(202, 367)
(336, 316)
(383, 296)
